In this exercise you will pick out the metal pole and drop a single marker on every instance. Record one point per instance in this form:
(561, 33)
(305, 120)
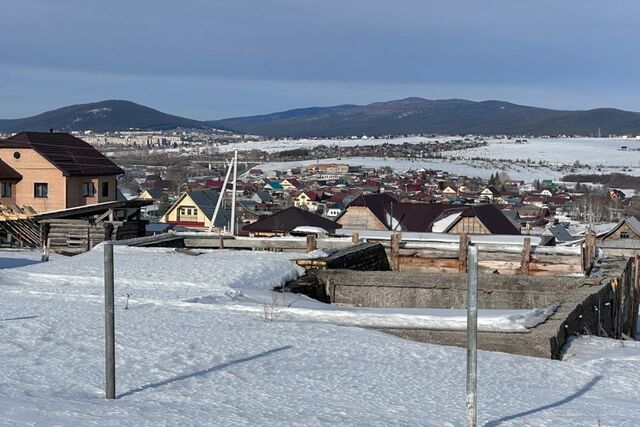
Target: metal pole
(233, 195)
(472, 337)
(109, 323)
(220, 197)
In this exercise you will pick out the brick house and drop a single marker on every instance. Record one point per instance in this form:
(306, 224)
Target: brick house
(52, 171)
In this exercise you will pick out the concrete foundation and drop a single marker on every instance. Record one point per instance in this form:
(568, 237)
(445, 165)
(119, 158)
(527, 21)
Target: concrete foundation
(603, 304)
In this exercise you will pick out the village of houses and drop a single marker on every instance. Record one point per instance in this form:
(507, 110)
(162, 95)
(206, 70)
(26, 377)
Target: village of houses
(385, 250)
(58, 176)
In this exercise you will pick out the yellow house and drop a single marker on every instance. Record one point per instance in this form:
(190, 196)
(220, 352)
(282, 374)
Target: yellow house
(152, 194)
(307, 199)
(195, 209)
(290, 184)
(450, 191)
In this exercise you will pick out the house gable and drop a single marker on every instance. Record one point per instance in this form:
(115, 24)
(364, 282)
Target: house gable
(629, 228)
(360, 218)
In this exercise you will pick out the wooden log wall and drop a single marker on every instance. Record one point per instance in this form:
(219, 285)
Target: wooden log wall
(74, 236)
(497, 259)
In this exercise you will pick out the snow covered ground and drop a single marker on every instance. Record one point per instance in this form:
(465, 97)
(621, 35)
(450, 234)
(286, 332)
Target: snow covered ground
(193, 350)
(473, 168)
(274, 146)
(590, 151)
(601, 155)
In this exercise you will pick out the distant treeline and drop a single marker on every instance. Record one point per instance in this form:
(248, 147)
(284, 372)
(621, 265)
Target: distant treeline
(614, 180)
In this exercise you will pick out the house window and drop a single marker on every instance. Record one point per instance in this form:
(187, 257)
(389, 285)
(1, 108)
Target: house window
(624, 234)
(6, 189)
(88, 190)
(16, 155)
(187, 213)
(105, 189)
(41, 190)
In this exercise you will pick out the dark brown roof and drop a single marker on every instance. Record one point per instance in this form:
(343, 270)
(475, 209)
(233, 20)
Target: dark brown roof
(419, 217)
(492, 218)
(71, 155)
(290, 218)
(7, 173)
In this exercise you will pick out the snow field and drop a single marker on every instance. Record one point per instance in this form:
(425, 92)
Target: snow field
(180, 363)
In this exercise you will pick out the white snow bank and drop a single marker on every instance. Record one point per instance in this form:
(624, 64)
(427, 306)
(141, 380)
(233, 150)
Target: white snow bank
(164, 274)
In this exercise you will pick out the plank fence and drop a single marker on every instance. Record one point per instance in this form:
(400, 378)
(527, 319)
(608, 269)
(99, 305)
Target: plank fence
(515, 258)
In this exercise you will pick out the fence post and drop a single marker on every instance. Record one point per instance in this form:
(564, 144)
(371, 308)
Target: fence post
(46, 242)
(395, 251)
(462, 254)
(311, 243)
(472, 337)
(634, 297)
(590, 248)
(355, 238)
(109, 323)
(526, 257)
(221, 241)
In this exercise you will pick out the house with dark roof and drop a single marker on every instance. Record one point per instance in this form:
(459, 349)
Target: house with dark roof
(308, 200)
(261, 197)
(383, 212)
(250, 211)
(621, 240)
(283, 222)
(49, 171)
(195, 209)
(626, 230)
(155, 194)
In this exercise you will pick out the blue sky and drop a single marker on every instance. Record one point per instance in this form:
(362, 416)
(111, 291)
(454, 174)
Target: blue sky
(209, 59)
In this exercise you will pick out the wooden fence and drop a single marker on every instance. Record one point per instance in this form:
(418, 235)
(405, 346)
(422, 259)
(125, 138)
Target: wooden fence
(428, 256)
(498, 258)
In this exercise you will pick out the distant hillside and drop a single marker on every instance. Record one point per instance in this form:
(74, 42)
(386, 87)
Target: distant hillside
(450, 116)
(103, 116)
(410, 115)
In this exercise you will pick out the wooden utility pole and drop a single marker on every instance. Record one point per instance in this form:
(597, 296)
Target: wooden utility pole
(109, 323)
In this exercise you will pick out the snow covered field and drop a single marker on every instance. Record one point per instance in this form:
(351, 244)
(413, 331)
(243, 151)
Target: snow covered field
(193, 349)
(274, 146)
(604, 154)
(473, 168)
(590, 151)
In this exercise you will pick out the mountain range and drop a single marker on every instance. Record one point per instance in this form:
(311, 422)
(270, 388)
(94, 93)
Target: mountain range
(404, 116)
(103, 116)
